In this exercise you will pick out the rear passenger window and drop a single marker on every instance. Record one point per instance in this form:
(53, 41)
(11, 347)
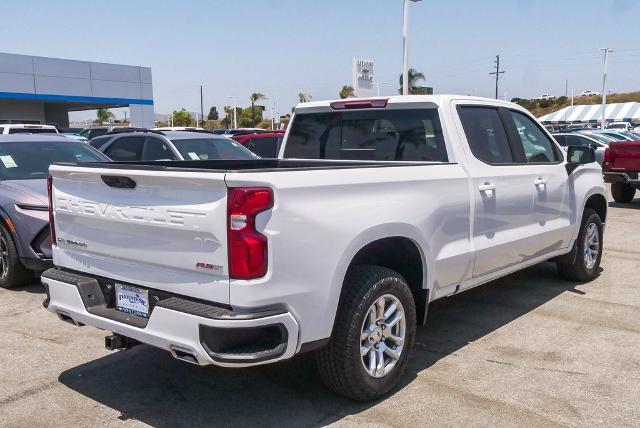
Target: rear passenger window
(381, 135)
(538, 148)
(486, 134)
(98, 142)
(156, 149)
(126, 149)
(265, 147)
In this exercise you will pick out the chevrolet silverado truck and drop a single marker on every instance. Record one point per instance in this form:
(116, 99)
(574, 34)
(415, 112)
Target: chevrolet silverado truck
(373, 209)
(621, 168)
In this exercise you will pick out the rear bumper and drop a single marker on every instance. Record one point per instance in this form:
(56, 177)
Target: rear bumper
(206, 334)
(621, 177)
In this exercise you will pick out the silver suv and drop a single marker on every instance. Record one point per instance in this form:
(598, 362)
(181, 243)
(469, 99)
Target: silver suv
(150, 145)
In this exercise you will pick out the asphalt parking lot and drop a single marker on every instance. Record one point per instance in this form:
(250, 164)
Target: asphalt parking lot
(528, 349)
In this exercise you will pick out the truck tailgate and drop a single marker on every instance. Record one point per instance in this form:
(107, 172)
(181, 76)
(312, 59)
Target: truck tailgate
(168, 232)
(623, 156)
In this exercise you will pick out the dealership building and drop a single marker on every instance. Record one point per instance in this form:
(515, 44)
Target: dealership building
(44, 90)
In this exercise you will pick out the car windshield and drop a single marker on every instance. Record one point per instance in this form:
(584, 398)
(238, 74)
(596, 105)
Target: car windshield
(212, 148)
(32, 131)
(23, 160)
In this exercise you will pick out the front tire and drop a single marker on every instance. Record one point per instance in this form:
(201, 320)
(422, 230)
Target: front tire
(622, 193)
(588, 250)
(373, 335)
(12, 273)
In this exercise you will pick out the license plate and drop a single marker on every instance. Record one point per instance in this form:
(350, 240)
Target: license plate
(132, 300)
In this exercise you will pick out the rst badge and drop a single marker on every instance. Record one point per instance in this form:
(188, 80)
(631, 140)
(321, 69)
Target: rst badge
(208, 267)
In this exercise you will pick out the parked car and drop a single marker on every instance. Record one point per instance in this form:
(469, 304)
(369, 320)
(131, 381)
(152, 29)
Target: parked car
(589, 93)
(576, 127)
(168, 145)
(547, 97)
(622, 126)
(264, 144)
(27, 128)
(178, 128)
(91, 133)
(75, 136)
(380, 207)
(25, 244)
(565, 140)
(70, 130)
(619, 135)
(621, 169)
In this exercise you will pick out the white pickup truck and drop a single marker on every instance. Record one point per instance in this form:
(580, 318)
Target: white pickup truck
(376, 208)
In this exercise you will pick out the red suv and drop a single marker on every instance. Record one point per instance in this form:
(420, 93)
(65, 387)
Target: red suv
(265, 144)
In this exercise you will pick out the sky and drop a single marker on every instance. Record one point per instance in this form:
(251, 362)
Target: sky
(283, 47)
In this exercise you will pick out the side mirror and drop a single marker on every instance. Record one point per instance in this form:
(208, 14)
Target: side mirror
(579, 155)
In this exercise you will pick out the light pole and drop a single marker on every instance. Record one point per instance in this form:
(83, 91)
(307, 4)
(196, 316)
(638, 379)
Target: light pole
(405, 53)
(235, 119)
(273, 116)
(604, 86)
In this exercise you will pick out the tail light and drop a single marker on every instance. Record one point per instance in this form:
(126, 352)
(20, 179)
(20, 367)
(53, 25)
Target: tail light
(52, 225)
(608, 158)
(247, 247)
(354, 104)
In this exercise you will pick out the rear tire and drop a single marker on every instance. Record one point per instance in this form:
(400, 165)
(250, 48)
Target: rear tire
(370, 294)
(622, 193)
(12, 273)
(588, 250)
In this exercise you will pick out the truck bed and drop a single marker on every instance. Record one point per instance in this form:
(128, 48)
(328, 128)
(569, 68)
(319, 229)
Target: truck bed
(257, 165)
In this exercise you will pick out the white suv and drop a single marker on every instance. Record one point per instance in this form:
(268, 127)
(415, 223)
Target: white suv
(20, 128)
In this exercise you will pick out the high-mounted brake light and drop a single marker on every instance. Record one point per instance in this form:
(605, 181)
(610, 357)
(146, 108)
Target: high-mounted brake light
(52, 225)
(247, 247)
(355, 104)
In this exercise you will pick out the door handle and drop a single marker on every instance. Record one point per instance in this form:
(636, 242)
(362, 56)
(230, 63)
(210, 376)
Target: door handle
(487, 189)
(540, 182)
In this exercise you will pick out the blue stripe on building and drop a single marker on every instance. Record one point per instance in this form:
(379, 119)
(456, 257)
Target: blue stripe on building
(73, 98)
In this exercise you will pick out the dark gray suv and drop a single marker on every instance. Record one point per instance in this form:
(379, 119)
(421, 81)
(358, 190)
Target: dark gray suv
(25, 243)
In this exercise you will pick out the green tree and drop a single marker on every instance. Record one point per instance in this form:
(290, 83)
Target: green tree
(346, 92)
(304, 98)
(103, 115)
(255, 97)
(414, 77)
(250, 117)
(182, 118)
(213, 113)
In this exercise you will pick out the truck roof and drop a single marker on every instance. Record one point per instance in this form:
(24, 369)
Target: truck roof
(436, 100)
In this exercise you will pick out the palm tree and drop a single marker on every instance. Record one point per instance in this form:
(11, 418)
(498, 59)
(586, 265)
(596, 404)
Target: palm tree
(414, 77)
(346, 92)
(255, 97)
(304, 98)
(103, 115)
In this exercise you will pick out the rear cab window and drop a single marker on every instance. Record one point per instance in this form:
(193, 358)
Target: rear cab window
(380, 135)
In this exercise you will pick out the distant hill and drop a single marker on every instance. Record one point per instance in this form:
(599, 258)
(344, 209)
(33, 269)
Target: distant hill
(541, 107)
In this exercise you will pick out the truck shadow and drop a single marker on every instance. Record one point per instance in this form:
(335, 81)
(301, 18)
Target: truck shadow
(147, 385)
(634, 205)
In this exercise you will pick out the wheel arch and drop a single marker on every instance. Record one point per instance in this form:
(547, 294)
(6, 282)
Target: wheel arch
(388, 246)
(598, 203)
